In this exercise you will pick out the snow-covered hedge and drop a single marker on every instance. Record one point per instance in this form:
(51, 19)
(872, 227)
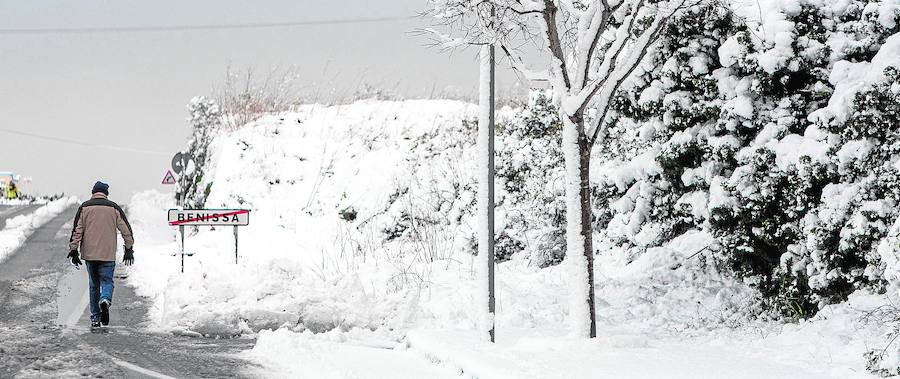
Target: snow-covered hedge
(775, 128)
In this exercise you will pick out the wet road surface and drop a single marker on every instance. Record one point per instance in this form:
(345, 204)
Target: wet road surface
(44, 324)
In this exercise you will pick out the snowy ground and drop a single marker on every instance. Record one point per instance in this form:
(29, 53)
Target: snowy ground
(343, 355)
(325, 300)
(827, 347)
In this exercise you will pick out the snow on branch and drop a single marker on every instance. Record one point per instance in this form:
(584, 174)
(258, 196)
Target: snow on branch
(517, 63)
(615, 72)
(593, 45)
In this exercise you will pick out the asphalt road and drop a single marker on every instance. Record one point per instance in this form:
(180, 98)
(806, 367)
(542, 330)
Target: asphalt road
(44, 324)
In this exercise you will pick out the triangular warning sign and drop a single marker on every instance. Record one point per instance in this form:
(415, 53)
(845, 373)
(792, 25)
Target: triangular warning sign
(169, 178)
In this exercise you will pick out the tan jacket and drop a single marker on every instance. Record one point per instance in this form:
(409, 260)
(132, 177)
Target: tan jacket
(94, 229)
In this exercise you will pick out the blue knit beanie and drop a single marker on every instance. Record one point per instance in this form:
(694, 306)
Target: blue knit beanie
(101, 187)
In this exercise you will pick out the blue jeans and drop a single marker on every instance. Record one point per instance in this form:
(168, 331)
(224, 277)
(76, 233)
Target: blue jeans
(100, 278)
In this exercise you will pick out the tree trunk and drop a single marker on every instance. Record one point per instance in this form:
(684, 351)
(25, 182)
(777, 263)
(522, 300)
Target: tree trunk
(586, 227)
(579, 246)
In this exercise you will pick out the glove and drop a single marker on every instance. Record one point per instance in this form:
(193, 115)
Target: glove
(129, 256)
(73, 255)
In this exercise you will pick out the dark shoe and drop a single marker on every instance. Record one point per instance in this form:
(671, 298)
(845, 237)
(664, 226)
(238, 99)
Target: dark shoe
(95, 324)
(104, 312)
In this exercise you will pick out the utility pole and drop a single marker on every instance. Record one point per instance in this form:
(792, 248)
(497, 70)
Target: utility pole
(491, 174)
(485, 261)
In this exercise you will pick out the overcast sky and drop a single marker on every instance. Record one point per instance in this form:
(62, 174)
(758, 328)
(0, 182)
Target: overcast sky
(129, 90)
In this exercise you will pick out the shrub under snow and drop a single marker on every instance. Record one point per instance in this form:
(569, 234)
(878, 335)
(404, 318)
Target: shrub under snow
(777, 136)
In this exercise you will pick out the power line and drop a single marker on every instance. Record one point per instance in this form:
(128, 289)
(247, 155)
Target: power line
(161, 28)
(82, 143)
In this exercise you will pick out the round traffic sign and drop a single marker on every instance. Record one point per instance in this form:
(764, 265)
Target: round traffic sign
(180, 162)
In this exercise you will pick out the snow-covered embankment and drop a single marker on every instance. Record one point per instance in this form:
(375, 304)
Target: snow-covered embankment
(18, 228)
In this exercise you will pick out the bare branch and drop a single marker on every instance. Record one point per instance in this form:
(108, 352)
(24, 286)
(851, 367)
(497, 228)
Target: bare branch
(520, 66)
(445, 41)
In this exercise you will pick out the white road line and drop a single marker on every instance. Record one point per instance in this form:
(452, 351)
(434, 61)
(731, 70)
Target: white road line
(140, 369)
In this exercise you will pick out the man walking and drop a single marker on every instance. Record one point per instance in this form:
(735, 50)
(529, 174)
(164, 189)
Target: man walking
(94, 231)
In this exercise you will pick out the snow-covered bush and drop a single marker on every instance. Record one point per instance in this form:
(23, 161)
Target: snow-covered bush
(740, 122)
(659, 156)
(856, 211)
(206, 121)
(530, 206)
(530, 168)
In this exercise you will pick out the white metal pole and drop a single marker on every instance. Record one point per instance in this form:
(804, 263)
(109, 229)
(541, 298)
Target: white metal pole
(485, 260)
(491, 174)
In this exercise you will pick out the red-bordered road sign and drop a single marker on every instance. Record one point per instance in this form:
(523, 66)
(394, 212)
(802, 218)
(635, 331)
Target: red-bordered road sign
(223, 217)
(169, 178)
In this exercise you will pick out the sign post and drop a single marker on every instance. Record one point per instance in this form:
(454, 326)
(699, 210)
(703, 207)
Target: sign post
(180, 162)
(181, 246)
(208, 217)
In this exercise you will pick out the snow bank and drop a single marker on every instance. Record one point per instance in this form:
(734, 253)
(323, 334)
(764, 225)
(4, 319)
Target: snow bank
(20, 227)
(668, 290)
(521, 354)
(338, 355)
(827, 346)
(672, 290)
(5, 201)
(321, 183)
(831, 342)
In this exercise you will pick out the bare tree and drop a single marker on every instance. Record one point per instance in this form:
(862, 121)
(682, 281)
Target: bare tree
(245, 96)
(593, 46)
